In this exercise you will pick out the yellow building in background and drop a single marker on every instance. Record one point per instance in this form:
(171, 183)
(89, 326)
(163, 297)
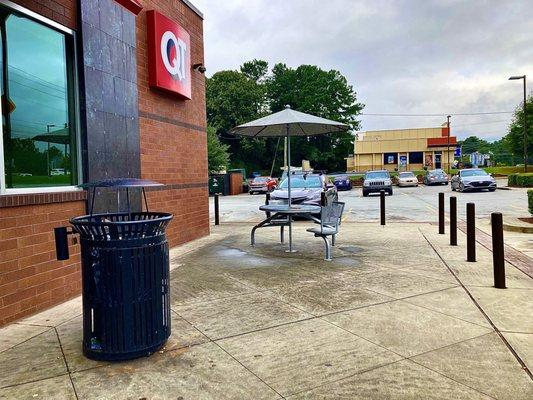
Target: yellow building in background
(404, 149)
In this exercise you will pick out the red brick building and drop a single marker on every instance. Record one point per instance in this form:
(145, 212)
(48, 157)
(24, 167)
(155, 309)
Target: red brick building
(78, 106)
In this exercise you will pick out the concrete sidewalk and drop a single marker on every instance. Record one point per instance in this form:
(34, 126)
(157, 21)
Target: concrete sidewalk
(398, 314)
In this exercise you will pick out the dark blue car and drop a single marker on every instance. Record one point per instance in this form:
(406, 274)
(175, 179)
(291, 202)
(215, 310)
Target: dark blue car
(342, 182)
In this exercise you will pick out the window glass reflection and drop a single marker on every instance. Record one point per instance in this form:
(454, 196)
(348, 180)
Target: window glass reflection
(38, 134)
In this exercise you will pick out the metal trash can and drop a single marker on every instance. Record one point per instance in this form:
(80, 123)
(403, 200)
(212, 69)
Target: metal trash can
(125, 277)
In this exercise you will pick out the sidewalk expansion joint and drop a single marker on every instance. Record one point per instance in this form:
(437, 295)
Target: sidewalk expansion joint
(504, 340)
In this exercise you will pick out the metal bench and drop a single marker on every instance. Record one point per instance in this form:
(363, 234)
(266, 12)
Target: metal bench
(330, 220)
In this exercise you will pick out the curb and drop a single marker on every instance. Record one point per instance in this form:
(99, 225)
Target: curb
(517, 228)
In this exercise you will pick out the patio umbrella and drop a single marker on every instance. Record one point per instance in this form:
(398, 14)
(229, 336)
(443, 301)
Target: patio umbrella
(289, 123)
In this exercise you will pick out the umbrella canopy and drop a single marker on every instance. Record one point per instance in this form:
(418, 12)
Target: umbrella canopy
(289, 123)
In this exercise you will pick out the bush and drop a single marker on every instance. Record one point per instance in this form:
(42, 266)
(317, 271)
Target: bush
(521, 180)
(530, 201)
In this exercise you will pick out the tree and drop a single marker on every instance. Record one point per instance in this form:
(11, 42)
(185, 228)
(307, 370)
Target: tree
(217, 152)
(472, 144)
(235, 97)
(255, 70)
(514, 140)
(326, 94)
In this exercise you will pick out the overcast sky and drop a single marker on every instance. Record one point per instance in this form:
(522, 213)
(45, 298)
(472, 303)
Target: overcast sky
(402, 57)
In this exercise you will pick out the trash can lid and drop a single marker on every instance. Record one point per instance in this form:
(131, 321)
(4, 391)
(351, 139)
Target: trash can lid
(121, 182)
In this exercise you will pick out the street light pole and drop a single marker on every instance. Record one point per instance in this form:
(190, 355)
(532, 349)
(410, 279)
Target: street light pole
(48, 126)
(513, 78)
(449, 133)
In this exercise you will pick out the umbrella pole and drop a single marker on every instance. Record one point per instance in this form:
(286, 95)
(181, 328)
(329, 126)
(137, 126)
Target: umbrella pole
(289, 186)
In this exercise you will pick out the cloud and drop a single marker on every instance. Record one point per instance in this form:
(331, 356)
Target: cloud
(404, 56)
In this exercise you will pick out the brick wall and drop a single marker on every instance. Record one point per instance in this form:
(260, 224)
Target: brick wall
(31, 279)
(63, 12)
(173, 133)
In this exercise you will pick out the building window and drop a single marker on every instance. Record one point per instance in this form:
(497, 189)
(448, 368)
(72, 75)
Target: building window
(390, 158)
(38, 139)
(416, 157)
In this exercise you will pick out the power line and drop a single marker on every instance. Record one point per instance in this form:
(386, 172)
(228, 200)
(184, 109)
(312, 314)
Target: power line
(436, 115)
(482, 123)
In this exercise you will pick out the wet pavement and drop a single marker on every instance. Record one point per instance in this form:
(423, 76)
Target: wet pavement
(398, 314)
(407, 204)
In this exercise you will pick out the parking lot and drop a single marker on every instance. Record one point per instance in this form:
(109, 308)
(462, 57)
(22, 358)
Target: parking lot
(407, 204)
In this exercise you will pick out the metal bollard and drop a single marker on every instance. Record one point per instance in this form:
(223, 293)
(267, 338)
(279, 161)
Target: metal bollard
(217, 210)
(498, 257)
(323, 200)
(441, 213)
(382, 206)
(470, 232)
(61, 239)
(267, 202)
(453, 221)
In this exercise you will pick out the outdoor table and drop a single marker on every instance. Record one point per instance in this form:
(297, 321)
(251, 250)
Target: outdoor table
(284, 210)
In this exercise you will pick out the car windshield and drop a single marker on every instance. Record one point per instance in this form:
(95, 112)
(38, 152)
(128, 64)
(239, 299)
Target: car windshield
(302, 182)
(407, 175)
(377, 175)
(260, 179)
(437, 172)
(473, 172)
(341, 178)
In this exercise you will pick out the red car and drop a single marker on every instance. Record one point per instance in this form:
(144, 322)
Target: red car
(262, 184)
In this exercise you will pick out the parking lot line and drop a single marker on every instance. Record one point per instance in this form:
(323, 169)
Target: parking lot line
(346, 215)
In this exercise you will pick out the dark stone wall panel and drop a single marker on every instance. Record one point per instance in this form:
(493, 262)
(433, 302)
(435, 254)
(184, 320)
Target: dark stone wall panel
(111, 107)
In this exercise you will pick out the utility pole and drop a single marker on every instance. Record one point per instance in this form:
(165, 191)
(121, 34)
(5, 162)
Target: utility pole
(449, 133)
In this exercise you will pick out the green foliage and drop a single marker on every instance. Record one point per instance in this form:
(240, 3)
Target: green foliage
(530, 201)
(326, 94)
(235, 97)
(217, 152)
(514, 140)
(255, 70)
(473, 143)
(522, 180)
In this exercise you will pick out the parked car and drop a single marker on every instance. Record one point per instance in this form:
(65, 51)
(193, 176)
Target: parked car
(57, 171)
(473, 179)
(407, 179)
(435, 177)
(306, 188)
(376, 181)
(262, 184)
(342, 182)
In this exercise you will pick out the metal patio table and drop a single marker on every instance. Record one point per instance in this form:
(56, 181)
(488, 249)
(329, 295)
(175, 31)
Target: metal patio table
(279, 211)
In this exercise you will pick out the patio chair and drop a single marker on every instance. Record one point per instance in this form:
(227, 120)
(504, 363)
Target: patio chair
(330, 220)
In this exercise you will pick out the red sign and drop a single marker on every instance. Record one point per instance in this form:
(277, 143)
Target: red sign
(132, 5)
(169, 55)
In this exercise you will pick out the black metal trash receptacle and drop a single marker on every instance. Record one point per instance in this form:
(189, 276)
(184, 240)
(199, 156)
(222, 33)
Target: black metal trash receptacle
(125, 281)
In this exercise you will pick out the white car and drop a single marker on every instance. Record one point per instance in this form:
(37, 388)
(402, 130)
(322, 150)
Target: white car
(407, 179)
(473, 179)
(58, 171)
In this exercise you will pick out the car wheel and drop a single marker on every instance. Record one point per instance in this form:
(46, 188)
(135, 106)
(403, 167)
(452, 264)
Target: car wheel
(446, 183)
(365, 194)
(390, 192)
(492, 190)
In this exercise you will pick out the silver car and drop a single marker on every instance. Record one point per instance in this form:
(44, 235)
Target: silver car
(435, 177)
(473, 179)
